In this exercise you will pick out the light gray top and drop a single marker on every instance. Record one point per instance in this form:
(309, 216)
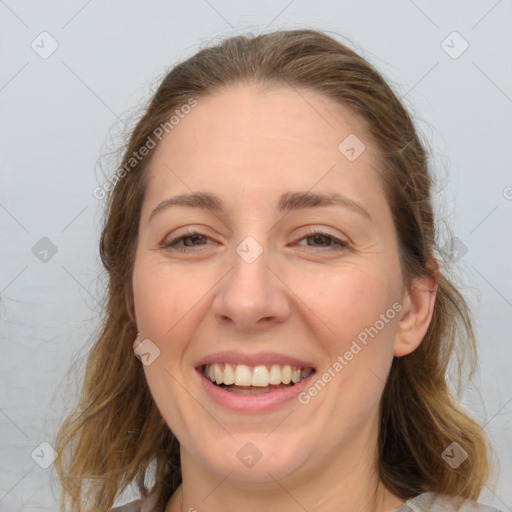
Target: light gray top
(433, 502)
(426, 502)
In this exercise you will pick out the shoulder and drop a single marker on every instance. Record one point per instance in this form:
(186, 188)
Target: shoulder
(140, 505)
(434, 502)
(134, 506)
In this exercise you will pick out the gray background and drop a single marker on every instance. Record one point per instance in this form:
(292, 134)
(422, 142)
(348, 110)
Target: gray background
(61, 113)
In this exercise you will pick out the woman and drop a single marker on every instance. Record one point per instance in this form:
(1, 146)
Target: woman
(270, 245)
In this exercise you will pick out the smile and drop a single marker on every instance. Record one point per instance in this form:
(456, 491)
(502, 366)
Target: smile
(244, 377)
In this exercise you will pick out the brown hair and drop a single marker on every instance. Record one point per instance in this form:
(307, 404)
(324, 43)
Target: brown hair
(117, 433)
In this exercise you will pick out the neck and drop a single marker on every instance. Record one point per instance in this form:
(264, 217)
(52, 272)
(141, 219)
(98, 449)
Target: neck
(347, 484)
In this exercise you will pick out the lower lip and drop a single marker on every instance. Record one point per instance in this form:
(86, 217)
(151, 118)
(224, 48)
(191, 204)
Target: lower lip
(262, 402)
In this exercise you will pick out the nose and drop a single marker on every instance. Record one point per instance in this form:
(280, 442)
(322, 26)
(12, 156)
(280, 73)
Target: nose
(252, 296)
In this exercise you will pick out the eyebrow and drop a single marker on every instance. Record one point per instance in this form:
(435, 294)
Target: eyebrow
(289, 201)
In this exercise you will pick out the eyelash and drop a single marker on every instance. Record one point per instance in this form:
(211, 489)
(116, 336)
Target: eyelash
(340, 244)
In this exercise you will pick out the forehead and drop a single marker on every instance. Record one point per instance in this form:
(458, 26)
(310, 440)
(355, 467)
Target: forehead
(254, 139)
(259, 118)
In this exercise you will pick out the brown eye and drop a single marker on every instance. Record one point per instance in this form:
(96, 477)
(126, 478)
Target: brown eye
(320, 239)
(190, 239)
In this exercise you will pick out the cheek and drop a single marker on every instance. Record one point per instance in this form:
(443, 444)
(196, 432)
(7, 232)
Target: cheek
(348, 301)
(169, 307)
(358, 342)
(359, 346)
(160, 300)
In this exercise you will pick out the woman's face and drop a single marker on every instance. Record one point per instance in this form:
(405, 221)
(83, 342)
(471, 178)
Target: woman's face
(266, 278)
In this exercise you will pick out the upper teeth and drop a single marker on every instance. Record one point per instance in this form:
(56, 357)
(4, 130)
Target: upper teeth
(261, 375)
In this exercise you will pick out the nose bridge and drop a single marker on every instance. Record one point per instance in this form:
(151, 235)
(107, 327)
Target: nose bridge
(251, 261)
(250, 295)
(250, 278)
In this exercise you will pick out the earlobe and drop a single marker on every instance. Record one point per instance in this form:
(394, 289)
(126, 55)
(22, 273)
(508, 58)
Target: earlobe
(417, 313)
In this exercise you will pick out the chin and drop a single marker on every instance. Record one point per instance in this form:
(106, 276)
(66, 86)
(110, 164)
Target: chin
(254, 458)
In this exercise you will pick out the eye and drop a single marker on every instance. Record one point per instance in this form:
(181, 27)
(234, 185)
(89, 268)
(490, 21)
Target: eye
(320, 236)
(192, 236)
(193, 239)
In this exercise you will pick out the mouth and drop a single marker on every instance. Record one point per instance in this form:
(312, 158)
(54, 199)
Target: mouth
(254, 380)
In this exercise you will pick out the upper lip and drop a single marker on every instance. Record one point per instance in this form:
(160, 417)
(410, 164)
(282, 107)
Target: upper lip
(262, 358)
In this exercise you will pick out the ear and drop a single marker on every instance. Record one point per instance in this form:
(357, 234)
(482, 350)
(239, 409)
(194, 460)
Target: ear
(418, 308)
(130, 306)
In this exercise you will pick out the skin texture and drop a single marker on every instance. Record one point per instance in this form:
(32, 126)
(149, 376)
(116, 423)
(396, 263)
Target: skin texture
(299, 297)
